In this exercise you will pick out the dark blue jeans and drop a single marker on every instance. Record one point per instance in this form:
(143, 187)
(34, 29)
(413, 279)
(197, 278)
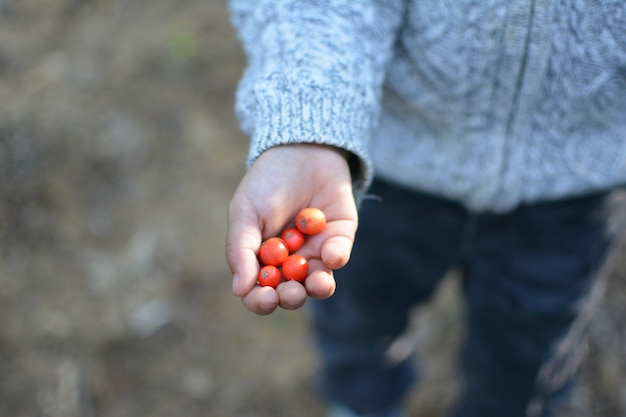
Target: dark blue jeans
(526, 275)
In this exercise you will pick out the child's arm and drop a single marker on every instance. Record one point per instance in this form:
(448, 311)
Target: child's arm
(314, 72)
(314, 76)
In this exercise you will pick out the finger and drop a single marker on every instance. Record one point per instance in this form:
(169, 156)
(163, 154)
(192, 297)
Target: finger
(261, 300)
(340, 235)
(292, 295)
(335, 252)
(336, 248)
(320, 284)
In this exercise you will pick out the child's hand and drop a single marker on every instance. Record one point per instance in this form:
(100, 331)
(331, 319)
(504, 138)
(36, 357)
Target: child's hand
(282, 181)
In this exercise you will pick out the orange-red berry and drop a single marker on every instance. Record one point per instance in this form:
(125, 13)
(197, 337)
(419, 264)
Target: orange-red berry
(295, 267)
(310, 220)
(273, 251)
(269, 276)
(294, 238)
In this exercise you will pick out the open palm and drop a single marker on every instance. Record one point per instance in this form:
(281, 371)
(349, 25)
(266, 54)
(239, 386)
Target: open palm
(282, 181)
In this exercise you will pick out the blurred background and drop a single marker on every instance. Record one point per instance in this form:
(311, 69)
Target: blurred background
(119, 152)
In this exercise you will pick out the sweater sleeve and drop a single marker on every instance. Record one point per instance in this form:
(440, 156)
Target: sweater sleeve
(314, 73)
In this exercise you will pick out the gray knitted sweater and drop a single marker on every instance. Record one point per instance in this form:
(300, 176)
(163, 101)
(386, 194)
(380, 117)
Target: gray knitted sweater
(491, 103)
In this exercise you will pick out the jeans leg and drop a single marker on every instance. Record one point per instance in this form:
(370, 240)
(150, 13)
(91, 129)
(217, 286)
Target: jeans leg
(404, 245)
(527, 277)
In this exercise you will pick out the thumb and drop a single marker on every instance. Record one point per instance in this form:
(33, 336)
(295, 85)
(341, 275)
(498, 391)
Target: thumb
(243, 238)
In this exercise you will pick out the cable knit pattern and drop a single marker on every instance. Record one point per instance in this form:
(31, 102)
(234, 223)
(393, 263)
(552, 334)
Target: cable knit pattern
(492, 103)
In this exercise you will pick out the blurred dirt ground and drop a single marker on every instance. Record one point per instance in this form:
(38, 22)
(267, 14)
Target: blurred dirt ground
(119, 152)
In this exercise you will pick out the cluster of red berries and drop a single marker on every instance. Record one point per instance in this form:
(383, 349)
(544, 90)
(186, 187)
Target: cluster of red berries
(277, 256)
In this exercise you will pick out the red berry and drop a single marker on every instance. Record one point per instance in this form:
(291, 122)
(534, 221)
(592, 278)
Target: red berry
(293, 238)
(295, 267)
(269, 276)
(273, 251)
(310, 220)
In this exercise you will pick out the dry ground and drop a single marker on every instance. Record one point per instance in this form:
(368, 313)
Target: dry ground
(119, 151)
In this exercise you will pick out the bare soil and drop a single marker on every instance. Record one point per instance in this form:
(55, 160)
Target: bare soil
(119, 152)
